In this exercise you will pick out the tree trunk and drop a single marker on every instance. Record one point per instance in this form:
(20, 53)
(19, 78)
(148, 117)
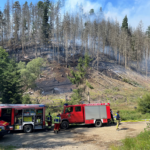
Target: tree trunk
(125, 57)
(119, 58)
(53, 52)
(36, 50)
(2, 38)
(146, 64)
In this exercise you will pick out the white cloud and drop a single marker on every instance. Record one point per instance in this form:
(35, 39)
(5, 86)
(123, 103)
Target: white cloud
(139, 10)
(71, 5)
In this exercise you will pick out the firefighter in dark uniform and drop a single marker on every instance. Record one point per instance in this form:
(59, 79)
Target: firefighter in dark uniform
(49, 120)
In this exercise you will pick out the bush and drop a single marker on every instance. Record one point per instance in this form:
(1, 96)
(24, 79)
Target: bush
(133, 115)
(144, 104)
(30, 72)
(130, 82)
(2, 147)
(26, 99)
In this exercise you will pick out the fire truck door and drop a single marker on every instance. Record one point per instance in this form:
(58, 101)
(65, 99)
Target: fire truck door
(78, 114)
(70, 114)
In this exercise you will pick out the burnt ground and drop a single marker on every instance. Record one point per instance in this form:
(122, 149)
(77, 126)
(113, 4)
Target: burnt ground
(54, 79)
(54, 84)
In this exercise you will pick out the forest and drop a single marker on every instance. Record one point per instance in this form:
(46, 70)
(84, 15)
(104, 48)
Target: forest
(45, 26)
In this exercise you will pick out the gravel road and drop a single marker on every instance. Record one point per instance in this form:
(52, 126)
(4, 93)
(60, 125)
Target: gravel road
(79, 137)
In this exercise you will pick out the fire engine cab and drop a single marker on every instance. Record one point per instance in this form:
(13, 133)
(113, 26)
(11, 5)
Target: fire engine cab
(97, 113)
(4, 128)
(25, 117)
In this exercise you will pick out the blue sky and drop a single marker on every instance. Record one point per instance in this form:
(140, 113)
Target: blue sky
(136, 10)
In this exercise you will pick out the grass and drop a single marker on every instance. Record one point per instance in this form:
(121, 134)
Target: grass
(130, 82)
(127, 112)
(7, 147)
(133, 115)
(141, 142)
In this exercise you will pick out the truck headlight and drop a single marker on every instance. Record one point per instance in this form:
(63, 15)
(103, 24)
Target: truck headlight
(2, 127)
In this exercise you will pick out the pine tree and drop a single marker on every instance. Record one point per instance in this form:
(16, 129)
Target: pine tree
(148, 32)
(91, 12)
(125, 23)
(79, 78)
(10, 80)
(45, 25)
(2, 26)
(17, 13)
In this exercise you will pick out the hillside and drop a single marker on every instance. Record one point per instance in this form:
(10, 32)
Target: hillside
(112, 83)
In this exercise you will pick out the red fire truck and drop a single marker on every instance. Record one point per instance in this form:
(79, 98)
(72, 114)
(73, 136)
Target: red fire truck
(25, 117)
(97, 114)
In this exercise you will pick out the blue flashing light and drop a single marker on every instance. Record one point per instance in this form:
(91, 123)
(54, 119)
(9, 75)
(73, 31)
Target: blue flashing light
(66, 104)
(41, 105)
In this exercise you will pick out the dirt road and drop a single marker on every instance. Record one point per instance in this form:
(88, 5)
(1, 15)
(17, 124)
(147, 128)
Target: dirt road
(77, 137)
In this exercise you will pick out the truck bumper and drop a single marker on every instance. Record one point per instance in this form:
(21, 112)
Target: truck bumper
(4, 132)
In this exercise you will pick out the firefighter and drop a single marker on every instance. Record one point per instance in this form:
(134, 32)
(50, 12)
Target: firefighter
(49, 121)
(112, 118)
(118, 120)
(57, 122)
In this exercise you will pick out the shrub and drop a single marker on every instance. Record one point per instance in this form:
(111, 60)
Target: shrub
(144, 104)
(133, 115)
(26, 99)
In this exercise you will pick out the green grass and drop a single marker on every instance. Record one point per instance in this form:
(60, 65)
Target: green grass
(130, 82)
(133, 115)
(127, 112)
(141, 142)
(7, 147)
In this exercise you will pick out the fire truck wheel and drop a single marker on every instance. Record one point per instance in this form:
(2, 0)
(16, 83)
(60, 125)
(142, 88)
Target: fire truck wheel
(64, 125)
(98, 123)
(27, 128)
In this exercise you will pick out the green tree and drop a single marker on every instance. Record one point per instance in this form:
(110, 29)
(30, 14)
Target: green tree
(125, 23)
(144, 104)
(2, 27)
(17, 18)
(10, 80)
(148, 31)
(40, 4)
(44, 7)
(91, 12)
(80, 78)
(30, 72)
(26, 99)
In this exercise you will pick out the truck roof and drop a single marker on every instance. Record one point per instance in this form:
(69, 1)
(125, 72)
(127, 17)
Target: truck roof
(92, 104)
(21, 105)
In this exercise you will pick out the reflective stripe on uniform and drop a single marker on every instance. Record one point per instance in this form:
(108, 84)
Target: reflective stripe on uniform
(48, 118)
(57, 120)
